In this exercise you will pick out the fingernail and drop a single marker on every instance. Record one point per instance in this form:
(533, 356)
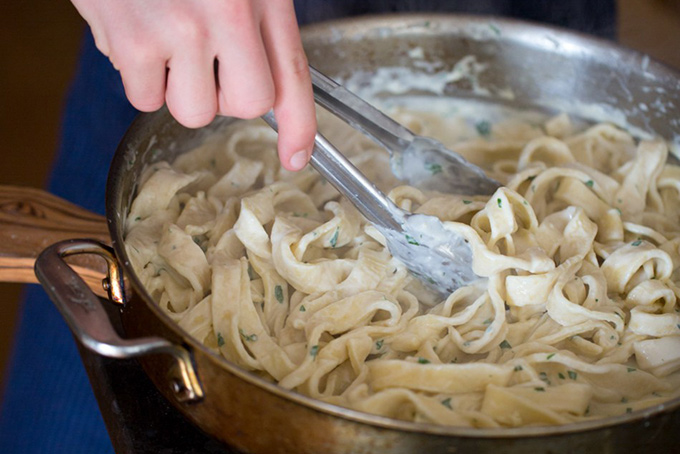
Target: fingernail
(299, 159)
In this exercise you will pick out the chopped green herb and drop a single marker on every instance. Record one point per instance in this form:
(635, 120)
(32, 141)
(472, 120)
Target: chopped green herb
(314, 350)
(278, 293)
(505, 344)
(422, 360)
(483, 128)
(636, 243)
(550, 356)
(303, 308)
(487, 321)
(138, 218)
(624, 400)
(518, 368)
(447, 403)
(334, 238)
(500, 202)
(561, 375)
(589, 183)
(629, 410)
(379, 344)
(573, 375)
(251, 273)
(467, 202)
(433, 168)
(495, 29)
(539, 388)
(248, 337)
(620, 213)
(631, 369)
(220, 340)
(411, 240)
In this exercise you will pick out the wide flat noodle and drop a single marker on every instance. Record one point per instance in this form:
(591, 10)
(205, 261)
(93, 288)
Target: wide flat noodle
(577, 316)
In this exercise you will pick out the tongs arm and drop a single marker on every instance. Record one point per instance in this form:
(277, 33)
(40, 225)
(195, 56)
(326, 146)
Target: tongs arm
(359, 114)
(350, 182)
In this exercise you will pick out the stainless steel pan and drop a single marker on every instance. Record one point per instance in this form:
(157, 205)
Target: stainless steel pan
(525, 66)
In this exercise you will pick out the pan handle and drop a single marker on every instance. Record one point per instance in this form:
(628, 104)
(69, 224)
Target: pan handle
(31, 219)
(89, 322)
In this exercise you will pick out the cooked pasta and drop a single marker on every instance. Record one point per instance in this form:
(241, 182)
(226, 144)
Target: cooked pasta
(575, 317)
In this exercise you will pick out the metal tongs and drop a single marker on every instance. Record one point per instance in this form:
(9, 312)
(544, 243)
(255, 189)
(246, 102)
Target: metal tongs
(436, 255)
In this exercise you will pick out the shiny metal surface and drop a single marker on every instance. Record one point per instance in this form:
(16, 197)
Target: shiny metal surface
(422, 162)
(542, 68)
(90, 324)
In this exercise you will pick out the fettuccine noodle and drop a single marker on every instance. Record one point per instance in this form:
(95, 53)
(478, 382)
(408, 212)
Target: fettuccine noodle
(576, 316)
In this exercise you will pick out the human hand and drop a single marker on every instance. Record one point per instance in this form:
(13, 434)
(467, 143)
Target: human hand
(239, 58)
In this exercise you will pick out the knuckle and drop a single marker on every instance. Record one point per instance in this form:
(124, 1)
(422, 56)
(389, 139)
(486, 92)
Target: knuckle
(238, 11)
(299, 66)
(146, 103)
(188, 29)
(192, 119)
(134, 52)
(248, 110)
(248, 107)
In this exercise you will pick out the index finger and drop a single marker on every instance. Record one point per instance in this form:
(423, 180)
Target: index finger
(294, 105)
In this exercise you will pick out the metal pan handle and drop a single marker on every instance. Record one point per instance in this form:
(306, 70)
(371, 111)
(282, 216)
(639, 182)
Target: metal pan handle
(90, 323)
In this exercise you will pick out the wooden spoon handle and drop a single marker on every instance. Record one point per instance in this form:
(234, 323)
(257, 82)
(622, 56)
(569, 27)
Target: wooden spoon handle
(32, 219)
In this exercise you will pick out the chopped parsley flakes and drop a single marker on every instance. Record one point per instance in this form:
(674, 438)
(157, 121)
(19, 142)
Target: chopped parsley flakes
(433, 168)
(248, 337)
(278, 293)
(483, 128)
(411, 240)
(334, 238)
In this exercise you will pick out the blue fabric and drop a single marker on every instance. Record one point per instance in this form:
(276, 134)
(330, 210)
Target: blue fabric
(48, 403)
